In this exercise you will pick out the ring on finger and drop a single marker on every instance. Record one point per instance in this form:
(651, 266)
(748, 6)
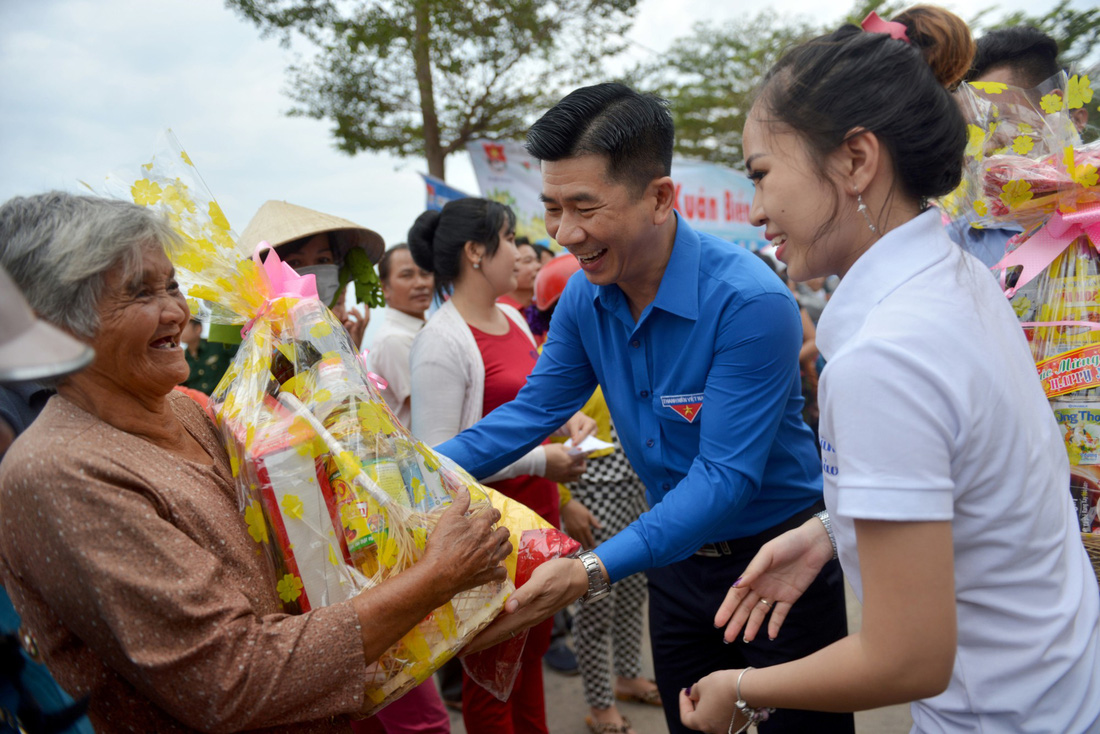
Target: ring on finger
(766, 603)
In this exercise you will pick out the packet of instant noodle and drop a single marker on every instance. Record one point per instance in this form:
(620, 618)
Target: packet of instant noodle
(334, 490)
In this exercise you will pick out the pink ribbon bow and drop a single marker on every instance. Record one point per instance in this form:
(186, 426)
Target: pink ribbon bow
(874, 24)
(1042, 247)
(282, 279)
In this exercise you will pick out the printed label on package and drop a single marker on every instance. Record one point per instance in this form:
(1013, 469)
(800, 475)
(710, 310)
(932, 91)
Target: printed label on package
(1070, 371)
(1080, 425)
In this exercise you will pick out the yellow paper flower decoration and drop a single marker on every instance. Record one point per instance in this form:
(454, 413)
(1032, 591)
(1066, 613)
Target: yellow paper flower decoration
(981, 208)
(289, 588)
(417, 486)
(217, 216)
(1024, 128)
(1078, 92)
(1086, 175)
(1022, 144)
(975, 141)
(292, 506)
(177, 198)
(989, 87)
(145, 192)
(186, 158)
(430, 462)
(1015, 193)
(348, 464)
(1021, 306)
(257, 528)
(1051, 103)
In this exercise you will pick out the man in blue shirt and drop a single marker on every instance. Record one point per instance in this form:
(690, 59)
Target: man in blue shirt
(695, 343)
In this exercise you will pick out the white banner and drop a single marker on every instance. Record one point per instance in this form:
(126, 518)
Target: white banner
(712, 198)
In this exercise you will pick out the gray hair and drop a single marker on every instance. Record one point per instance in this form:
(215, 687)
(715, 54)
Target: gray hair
(59, 247)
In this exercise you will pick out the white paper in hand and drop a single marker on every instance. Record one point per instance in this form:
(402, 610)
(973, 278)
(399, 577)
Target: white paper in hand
(587, 446)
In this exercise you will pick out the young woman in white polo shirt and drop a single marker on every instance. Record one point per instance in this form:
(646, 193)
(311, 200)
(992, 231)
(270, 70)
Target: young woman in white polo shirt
(946, 480)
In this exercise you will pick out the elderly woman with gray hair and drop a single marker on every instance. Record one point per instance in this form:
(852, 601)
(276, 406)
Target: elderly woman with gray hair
(120, 539)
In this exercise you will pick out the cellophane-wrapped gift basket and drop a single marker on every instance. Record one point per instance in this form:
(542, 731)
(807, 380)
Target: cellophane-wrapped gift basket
(334, 490)
(1028, 170)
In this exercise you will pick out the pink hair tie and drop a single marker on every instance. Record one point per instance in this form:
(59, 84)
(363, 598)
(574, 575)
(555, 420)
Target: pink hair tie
(874, 24)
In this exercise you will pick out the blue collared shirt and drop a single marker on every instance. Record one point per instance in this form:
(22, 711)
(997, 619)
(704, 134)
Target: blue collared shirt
(704, 390)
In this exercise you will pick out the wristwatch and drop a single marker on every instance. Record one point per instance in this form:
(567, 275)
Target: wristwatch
(598, 586)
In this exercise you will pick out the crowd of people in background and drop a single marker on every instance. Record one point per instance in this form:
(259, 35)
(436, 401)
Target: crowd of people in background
(771, 425)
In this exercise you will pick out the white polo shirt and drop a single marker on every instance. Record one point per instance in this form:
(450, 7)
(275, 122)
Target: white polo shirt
(931, 409)
(389, 358)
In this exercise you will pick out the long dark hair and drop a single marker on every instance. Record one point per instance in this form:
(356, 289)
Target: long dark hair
(438, 238)
(849, 79)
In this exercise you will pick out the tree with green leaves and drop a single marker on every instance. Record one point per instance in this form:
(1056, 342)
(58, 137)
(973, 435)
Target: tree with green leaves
(424, 77)
(710, 76)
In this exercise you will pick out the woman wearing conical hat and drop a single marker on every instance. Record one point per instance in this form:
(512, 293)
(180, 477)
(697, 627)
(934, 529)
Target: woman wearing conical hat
(334, 250)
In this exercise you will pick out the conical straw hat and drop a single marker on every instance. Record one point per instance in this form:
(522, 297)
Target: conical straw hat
(31, 349)
(279, 222)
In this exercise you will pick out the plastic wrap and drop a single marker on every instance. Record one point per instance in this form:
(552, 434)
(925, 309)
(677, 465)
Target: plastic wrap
(333, 489)
(1017, 140)
(491, 667)
(1027, 169)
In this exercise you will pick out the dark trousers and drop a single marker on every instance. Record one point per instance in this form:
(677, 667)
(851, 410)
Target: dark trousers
(683, 599)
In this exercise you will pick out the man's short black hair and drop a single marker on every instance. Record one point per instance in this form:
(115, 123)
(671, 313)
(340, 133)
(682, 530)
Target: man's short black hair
(1031, 55)
(634, 131)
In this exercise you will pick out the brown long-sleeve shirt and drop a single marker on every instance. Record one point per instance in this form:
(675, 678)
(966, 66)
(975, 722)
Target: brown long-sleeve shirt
(136, 573)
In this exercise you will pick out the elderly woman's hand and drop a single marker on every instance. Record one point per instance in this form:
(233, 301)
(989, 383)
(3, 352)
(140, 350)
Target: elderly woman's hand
(464, 550)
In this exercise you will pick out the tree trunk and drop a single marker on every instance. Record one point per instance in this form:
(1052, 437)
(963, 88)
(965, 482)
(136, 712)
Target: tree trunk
(433, 148)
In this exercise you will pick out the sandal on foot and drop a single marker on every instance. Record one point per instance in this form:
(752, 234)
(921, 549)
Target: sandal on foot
(606, 727)
(649, 698)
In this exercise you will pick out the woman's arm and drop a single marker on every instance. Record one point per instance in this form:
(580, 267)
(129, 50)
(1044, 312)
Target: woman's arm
(904, 651)
(440, 389)
(166, 613)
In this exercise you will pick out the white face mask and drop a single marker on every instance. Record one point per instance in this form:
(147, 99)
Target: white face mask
(328, 280)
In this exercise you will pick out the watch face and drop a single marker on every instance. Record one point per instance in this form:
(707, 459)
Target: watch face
(598, 586)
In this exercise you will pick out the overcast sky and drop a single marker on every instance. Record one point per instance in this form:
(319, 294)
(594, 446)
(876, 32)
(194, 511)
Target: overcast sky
(87, 85)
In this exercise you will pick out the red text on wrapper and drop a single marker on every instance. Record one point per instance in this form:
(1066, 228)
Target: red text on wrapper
(1070, 371)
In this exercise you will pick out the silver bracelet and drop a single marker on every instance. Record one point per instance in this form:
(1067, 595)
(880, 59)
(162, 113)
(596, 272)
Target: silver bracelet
(752, 716)
(823, 516)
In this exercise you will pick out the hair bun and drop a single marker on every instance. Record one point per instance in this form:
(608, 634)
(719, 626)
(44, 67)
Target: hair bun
(943, 39)
(422, 238)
